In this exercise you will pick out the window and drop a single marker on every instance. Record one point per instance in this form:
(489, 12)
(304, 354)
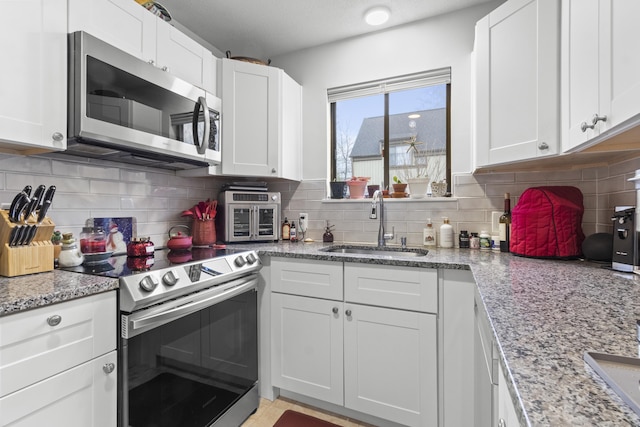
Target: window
(394, 127)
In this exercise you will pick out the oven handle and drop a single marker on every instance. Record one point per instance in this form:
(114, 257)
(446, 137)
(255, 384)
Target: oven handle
(163, 317)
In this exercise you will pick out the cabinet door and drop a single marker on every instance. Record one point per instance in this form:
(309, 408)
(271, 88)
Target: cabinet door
(390, 364)
(620, 45)
(184, 57)
(250, 119)
(307, 346)
(319, 279)
(33, 76)
(121, 23)
(581, 74)
(84, 396)
(507, 416)
(518, 93)
(39, 343)
(291, 124)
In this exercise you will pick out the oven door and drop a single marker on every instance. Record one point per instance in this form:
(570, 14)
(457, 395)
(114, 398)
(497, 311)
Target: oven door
(188, 365)
(252, 222)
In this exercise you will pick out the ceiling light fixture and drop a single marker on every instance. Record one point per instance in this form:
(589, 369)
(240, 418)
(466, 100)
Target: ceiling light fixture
(414, 116)
(377, 15)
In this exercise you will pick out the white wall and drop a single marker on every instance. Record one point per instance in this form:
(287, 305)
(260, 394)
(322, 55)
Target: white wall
(443, 41)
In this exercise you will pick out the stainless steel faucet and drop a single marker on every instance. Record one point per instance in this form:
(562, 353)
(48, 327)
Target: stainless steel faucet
(382, 236)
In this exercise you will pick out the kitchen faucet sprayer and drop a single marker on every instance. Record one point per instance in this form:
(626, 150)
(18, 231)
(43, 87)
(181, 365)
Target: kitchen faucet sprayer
(382, 236)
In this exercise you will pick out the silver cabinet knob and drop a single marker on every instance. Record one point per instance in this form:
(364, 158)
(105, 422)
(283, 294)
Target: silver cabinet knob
(335, 310)
(596, 118)
(543, 146)
(273, 170)
(348, 313)
(151, 61)
(54, 320)
(57, 136)
(108, 367)
(165, 68)
(502, 423)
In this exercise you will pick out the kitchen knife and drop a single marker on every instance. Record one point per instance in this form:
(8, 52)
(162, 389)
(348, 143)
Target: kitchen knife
(27, 190)
(15, 211)
(46, 203)
(15, 232)
(21, 235)
(31, 234)
(35, 201)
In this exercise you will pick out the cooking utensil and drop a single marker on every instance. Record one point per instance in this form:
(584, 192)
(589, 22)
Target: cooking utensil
(247, 59)
(13, 236)
(30, 234)
(46, 203)
(27, 190)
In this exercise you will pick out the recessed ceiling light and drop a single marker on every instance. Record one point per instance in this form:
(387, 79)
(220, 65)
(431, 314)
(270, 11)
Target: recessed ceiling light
(377, 15)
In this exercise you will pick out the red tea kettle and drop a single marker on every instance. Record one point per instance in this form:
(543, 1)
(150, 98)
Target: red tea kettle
(179, 240)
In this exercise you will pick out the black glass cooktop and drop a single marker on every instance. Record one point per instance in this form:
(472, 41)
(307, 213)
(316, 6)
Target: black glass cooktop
(122, 265)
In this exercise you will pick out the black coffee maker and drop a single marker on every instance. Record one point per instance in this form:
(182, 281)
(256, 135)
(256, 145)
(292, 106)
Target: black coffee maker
(625, 240)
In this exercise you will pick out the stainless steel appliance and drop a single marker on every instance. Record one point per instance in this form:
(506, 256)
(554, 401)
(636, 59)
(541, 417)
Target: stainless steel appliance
(189, 345)
(124, 109)
(249, 216)
(625, 239)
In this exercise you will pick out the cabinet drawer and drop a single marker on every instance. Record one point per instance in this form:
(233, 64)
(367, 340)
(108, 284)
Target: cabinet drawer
(394, 287)
(34, 347)
(320, 279)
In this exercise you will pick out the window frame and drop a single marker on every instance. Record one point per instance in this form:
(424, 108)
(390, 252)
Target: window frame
(385, 87)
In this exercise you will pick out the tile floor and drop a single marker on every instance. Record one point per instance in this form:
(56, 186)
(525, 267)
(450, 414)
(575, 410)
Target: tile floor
(269, 412)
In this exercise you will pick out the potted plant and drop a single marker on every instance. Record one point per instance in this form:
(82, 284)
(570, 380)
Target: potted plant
(399, 187)
(338, 189)
(357, 186)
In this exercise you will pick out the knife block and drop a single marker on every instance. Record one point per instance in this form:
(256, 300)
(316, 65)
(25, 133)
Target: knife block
(35, 257)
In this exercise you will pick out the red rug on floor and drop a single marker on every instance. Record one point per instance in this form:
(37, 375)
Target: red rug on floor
(296, 419)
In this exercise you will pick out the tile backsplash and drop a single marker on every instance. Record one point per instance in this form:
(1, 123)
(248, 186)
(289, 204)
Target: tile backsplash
(157, 197)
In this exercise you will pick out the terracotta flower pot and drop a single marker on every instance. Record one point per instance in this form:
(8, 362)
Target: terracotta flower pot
(357, 189)
(399, 188)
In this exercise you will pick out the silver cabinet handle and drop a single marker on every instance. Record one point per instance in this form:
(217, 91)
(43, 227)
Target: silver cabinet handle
(348, 313)
(165, 68)
(335, 310)
(54, 320)
(502, 423)
(108, 367)
(57, 136)
(596, 118)
(273, 170)
(543, 146)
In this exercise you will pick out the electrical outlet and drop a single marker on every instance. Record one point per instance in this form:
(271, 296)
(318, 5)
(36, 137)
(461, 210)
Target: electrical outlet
(495, 221)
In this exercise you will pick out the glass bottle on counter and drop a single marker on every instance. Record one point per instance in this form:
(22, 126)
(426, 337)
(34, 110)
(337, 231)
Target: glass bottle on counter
(505, 224)
(92, 240)
(286, 229)
(293, 233)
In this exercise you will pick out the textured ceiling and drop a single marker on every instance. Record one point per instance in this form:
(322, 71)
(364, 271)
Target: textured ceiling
(268, 28)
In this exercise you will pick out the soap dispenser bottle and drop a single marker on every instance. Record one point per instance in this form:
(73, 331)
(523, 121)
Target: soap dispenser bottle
(446, 234)
(429, 235)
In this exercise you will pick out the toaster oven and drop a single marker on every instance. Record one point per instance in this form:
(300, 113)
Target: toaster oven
(247, 216)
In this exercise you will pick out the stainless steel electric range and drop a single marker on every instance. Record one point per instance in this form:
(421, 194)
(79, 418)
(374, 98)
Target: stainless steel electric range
(188, 351)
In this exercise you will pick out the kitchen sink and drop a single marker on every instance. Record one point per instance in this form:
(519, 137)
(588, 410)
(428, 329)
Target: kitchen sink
(374, 250)
(621, 373)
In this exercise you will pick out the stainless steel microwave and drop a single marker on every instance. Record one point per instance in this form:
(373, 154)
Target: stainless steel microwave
(247, 216)
(126, 110)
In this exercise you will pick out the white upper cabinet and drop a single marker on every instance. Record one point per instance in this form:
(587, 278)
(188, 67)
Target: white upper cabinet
(33, 76)
(517, 70)
(601, 72)
(261, 121)
(131, 28)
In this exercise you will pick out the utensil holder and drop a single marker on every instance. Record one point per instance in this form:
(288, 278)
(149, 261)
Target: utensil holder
(204, 232)
(35, 257)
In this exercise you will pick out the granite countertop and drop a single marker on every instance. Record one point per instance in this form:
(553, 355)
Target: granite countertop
(545, 314)
(37, 290)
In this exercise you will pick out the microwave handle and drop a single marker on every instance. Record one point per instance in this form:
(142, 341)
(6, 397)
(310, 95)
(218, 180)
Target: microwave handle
(201, 146)
(253, 223)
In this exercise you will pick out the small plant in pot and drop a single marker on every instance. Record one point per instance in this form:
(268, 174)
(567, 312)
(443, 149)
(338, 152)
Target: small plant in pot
(338, 189)
(357, 186)
(399, 187)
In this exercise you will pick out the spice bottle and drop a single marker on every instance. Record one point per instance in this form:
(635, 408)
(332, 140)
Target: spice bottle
(446, 234)
(429, 234)
(474, 241)
(463, 240)
(485, 240)
(286, 229)
(327, 237)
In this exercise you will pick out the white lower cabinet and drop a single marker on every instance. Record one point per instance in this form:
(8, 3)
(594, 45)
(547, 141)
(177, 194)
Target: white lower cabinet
(507, 416)
(349, 351)
(58, 364)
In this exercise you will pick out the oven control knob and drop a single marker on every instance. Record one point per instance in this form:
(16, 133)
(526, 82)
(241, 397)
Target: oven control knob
(170, 278)
(149, 283)
(251, 259)
(240, 261)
